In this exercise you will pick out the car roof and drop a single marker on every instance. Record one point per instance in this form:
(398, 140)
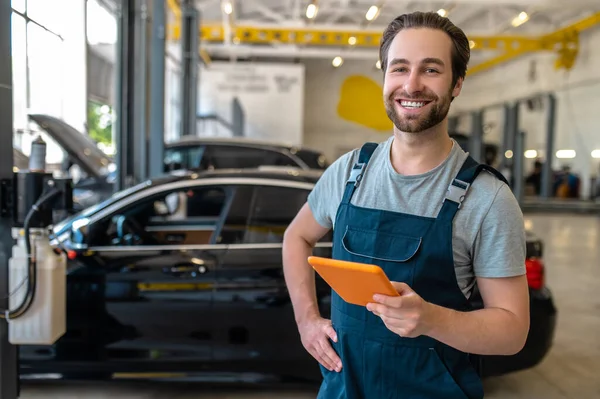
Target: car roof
(263, 172)
(238, 141)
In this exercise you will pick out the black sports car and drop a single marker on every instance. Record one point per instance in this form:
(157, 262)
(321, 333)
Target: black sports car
(182, 275)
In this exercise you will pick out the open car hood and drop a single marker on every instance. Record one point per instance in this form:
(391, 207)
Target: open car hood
(20, 160)
(81, 149)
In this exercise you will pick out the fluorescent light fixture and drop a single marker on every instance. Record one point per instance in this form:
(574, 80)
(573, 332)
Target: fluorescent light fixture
(530, 154)
(378, 64)
(520, 19)
(565, 154)
(372, 13)
(337, 61)
(311, 11)
(596, 154)
(508, 154)
(352, 40)
(442, 13)
(227, 7)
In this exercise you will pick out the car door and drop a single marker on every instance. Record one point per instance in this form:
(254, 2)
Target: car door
(257, 331)
(159, 255)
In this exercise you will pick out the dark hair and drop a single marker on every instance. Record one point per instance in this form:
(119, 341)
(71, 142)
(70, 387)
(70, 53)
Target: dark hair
(461, 51)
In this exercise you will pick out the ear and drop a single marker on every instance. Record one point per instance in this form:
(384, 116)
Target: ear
(457, 88)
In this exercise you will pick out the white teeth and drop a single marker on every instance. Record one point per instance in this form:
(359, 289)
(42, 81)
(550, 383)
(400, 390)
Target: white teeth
(412, 104)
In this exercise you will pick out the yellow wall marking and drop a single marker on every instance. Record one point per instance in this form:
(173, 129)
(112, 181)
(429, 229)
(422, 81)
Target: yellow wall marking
(361, 101)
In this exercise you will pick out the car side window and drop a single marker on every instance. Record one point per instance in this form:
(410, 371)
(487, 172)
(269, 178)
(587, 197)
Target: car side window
(189, 157)
(272, 210)
(225, 157)
(186, 216)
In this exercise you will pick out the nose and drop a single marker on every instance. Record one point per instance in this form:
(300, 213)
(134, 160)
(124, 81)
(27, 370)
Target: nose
(413, 83)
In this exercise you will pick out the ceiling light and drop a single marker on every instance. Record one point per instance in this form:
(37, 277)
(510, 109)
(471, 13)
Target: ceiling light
(311, 11)
(378, 64)
(337, 61)
(508, 154)
(596, 154)
(442, 13)
(352, 40)
(471, 43)
(520, 19)
(227, 7)
(372, 13)
(530, 154)
(565, 154)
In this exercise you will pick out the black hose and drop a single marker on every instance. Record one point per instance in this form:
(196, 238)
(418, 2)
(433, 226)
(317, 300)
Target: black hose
(32, 265)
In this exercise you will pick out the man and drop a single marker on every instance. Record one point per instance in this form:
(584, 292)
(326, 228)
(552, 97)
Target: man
(417, 206)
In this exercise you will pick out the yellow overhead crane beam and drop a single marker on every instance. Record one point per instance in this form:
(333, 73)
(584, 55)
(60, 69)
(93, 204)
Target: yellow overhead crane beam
(565, 41)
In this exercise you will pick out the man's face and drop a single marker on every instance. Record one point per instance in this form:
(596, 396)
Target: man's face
(417, 88)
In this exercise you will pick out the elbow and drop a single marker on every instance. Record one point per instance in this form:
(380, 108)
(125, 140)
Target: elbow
(519, 339)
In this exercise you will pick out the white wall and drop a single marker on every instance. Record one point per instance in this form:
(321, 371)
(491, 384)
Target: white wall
(324, 128)
(577, 103)
(271, 95)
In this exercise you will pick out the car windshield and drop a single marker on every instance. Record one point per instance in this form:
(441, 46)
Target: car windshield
(313, 159)
(87, 212)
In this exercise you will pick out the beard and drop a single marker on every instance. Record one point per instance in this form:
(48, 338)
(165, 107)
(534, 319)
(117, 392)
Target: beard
(410, 123)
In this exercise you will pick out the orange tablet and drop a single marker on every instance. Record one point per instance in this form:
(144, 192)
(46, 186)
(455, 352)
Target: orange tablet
(355, 282)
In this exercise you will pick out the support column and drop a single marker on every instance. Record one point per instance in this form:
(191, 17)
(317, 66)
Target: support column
(157, 88)
(9, 373)
(189, 75)
(546, 189)
(518, 169)
(132, 69)
(140, 101)
(476, 139)
(123, 94)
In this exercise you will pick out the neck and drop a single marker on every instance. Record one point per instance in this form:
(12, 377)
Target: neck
(418, 153)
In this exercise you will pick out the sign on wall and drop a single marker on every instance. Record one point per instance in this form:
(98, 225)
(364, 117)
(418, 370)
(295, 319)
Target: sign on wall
(259, 101)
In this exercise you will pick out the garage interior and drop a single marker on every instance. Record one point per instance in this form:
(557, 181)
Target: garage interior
(112, 87)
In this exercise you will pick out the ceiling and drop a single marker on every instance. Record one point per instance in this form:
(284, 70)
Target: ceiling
(475, 17)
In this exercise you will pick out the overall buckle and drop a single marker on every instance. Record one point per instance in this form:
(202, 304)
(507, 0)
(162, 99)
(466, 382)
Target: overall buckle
(457, 191)
(356, 174)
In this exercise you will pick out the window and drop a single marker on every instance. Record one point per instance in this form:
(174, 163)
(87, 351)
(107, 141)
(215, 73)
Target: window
(188, 216)
(225, 157)
(18, 5)
(184, 158)
(272, 210)
(312, 159)
(54, 15)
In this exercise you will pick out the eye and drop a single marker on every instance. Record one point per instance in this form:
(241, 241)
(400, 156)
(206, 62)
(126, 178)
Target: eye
(400, 69)
(431, 70)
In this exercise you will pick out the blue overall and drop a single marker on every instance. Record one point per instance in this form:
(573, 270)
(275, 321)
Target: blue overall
(377, 363)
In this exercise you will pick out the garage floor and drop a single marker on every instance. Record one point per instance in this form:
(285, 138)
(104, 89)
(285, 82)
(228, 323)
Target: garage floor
(572, 257)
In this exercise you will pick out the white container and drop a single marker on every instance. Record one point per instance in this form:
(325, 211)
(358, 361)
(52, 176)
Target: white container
(46, 320)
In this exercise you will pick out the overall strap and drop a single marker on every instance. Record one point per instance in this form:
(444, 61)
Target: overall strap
(357, 170)
(458, 189)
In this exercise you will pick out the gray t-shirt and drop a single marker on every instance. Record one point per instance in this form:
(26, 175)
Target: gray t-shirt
(488, 231)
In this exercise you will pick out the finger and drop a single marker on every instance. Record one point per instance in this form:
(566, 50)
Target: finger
(323, 358)
(331, 333)
(384, 311)
(391, 301)
(330, 356)
(402, 288)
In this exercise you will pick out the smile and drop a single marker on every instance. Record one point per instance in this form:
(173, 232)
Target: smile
(412, 104)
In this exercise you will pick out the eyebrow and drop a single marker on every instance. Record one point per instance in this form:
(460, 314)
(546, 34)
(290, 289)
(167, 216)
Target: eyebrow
(430, 60)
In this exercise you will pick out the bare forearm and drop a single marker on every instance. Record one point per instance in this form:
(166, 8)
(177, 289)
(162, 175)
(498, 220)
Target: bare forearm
(491, 331)
(299, 277)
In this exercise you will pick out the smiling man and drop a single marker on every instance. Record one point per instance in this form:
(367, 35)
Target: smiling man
(433, 219)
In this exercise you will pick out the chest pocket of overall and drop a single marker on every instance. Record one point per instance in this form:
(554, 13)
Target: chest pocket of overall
(396, 254)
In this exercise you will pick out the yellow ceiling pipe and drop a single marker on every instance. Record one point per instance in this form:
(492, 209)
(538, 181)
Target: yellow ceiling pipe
(564, 41)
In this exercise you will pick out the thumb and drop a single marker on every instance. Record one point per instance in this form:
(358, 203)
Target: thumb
(331, 332)
(402, 288)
